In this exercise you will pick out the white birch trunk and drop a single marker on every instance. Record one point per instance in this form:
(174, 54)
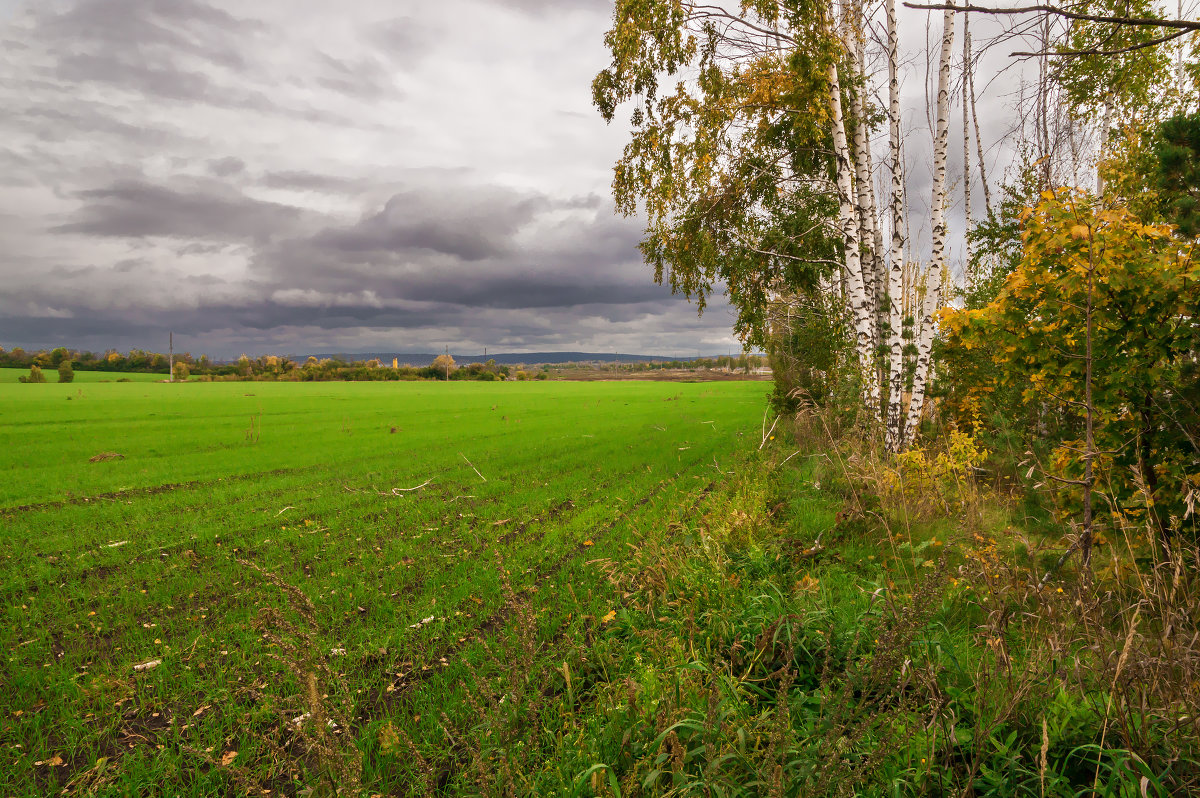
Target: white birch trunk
(1105, 124)
(895, 419)
(968, 267)
(933, 280)
(848, 220)
(869, 235)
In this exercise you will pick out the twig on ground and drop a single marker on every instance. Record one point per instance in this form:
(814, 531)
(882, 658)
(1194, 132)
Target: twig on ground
(398, 491)
(789, 457)
(473, 468)
(289, 507)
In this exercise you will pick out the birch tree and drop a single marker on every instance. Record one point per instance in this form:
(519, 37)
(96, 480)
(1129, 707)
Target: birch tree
(933, 285)
(750, 158)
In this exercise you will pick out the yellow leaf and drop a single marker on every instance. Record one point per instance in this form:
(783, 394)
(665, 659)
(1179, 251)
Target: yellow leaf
(609, 616)
(1079, 232)
(227, 758)
(588, 543)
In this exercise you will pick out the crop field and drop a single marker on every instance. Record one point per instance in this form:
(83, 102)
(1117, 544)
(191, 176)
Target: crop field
(257, 588)
(14, 375)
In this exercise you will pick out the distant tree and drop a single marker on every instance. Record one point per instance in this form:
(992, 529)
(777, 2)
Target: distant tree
(35, 374)
(445, 366)
(182, 372)
(66, 373)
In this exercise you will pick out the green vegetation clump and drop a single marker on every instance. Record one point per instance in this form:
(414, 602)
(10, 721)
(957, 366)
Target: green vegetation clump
(65, 372)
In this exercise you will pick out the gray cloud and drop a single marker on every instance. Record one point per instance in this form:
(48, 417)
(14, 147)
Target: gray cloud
(197, 209)
(224, 167)
(470, 226)
(556, 6)
(318, 177)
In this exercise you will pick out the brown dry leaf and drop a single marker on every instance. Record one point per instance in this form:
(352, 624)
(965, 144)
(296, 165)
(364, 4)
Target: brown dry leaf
(501, 523)
(806, 583)
(227, 758)
(201, 710)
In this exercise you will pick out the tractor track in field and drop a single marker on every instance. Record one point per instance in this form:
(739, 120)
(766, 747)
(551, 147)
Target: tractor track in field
(150, 490)
(497, 621)
(500, 618)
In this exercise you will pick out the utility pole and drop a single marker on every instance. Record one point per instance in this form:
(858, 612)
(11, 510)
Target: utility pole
(447, 363)
(171, 357)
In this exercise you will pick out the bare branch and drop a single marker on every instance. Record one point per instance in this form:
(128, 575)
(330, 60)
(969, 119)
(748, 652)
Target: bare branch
(1147, 22)
(1072, 53)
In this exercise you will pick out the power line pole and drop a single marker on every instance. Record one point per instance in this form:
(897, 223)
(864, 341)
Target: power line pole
(171, 357)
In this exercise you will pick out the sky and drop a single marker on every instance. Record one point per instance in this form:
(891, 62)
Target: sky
(292, 176)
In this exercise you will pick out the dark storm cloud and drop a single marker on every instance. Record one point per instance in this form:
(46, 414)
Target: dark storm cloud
(470, 226)
(195, 210)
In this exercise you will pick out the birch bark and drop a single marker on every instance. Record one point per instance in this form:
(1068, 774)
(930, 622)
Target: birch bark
(848, 220)
(871, 239)
(895, 419)
(933, 280)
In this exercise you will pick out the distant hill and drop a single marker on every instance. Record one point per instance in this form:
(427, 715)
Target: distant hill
(502, 358)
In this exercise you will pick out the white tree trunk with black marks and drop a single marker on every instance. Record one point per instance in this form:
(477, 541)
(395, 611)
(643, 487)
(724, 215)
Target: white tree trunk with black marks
(856, 295)
(895, 419)
(933, 282)
(871, 239)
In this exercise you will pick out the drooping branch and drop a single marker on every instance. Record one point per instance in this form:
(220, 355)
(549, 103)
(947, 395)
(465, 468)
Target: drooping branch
(1143, 22)
(1070, 53)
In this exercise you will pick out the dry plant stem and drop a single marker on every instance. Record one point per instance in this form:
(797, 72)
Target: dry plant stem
(473, 468)
(766, 436)
(397, 491)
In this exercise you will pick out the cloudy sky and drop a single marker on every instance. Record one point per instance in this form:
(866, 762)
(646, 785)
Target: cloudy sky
(294, 175)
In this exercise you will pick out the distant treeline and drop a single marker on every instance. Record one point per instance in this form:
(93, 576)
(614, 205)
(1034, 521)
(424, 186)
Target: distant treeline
(274, 367)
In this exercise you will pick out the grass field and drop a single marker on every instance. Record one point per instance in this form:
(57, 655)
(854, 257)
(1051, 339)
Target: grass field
(86, 377)
(322, 572)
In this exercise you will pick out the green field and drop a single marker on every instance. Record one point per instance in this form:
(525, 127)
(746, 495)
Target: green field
(14, 375)
(441, 532)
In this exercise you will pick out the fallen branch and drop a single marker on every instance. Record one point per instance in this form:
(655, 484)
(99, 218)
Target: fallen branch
(398, 491)
(767, 432)
(473, 468)
(1061, 562)
(789, 457)
(289, 507)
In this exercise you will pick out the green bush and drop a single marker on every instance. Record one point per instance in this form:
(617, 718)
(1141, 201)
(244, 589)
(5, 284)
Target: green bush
(65, 372)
